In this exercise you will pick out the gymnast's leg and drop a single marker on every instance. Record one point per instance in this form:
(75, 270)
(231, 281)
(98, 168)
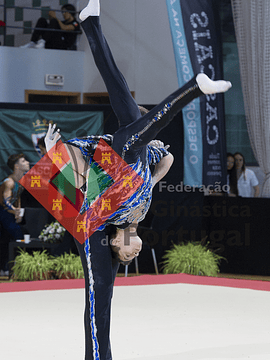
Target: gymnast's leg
(123, 104)
(145, 129)
(100, 270)
(125, 107)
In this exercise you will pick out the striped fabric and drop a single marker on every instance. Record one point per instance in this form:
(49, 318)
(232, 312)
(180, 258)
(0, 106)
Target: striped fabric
(91, 298)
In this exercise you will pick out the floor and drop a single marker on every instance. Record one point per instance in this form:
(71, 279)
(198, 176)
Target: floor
(149, 322)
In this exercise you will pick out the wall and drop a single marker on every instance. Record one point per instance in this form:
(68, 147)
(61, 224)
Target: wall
(26, 69)
(139, 35)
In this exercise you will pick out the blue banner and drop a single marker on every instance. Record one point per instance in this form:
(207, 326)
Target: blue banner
(197, 47)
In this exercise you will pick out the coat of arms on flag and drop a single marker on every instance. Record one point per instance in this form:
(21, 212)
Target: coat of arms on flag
(111, 181)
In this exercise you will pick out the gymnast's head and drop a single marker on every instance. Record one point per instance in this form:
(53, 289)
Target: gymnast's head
(126, 244)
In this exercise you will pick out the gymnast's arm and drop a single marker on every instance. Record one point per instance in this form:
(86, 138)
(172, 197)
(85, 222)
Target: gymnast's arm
(161, 158)
(7, 195)
(162, 168)
(78, 164)
(66, 27)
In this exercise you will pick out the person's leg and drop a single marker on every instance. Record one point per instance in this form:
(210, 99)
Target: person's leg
(134, 129)
(99, 270)
(39, 32)
(9, 224)
(10, 231)
(123, 104)
(145, 129)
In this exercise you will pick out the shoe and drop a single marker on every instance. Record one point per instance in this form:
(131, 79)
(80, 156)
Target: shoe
(92, 9)
(30, 45)
(208, 86)
(40, 44)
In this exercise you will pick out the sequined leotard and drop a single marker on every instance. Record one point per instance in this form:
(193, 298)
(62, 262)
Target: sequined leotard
(130, 142)
(136, 207)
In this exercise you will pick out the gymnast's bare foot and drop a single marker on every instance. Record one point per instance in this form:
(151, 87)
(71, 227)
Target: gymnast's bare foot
(92, 9)
(208, 86)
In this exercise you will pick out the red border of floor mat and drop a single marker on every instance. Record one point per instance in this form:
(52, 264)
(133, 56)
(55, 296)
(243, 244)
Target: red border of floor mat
(138, 280)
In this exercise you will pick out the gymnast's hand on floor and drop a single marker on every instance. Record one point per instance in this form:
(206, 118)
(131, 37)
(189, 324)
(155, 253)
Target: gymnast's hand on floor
(52, 136)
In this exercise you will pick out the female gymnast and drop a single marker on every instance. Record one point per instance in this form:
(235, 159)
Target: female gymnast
(131, 142)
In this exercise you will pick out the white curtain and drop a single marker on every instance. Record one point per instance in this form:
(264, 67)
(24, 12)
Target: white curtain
(252, 27)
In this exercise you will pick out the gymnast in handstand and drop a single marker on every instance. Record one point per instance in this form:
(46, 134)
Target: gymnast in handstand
(132, 141)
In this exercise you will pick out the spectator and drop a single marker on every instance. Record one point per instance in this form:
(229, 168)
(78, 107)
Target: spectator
(246, 178)
(63, 40)
(231, 175)
(42, 146)
(11, 213)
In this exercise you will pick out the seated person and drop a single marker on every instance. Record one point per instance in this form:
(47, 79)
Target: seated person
(11, 213)
(62, 40)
